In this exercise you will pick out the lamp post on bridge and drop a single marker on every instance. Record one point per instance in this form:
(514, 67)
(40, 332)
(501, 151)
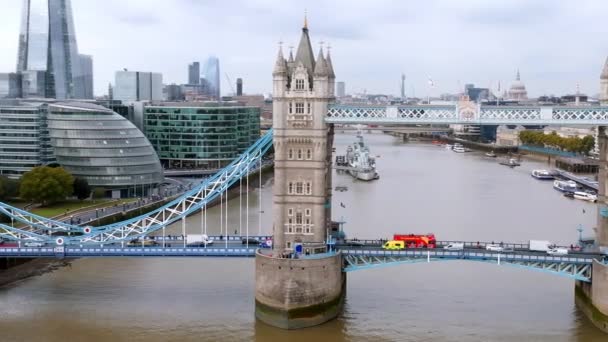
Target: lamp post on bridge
(580, 234)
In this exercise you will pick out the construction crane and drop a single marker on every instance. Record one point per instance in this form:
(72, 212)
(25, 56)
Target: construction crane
(230, 82)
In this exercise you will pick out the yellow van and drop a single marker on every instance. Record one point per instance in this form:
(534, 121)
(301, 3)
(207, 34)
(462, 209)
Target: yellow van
(394, 245)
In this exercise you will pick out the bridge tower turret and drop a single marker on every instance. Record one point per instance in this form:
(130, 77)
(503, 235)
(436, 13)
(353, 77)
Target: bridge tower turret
(592, 298)
(301, 282)
(604, 85)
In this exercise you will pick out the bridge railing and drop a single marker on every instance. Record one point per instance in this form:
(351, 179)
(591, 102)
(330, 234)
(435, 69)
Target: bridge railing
(214, 237)
(471, 255)
(441, 244)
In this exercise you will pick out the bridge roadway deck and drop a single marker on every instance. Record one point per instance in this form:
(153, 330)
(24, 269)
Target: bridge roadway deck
(237, 249)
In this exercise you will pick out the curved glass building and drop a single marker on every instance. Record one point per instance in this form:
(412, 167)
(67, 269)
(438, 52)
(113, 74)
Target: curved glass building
(95, 143)
(192, 135)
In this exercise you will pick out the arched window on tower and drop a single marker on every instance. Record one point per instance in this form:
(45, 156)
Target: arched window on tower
(290, 188)
(308, 188)
(290, 107)
(308, 108)
(290, 154)
(299, 154)
(309, 154)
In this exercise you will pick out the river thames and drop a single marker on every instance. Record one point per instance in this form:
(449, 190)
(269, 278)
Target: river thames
(422, 188)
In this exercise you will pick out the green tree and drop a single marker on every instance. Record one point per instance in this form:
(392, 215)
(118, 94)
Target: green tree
(99, 193)
(588, 144)
(46, 185)
(82, 189)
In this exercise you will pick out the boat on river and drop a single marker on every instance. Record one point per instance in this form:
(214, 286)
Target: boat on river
(565, 186)
(511, 162)
(585, 196)
(362, 164)
(542, 174)
(490, 154)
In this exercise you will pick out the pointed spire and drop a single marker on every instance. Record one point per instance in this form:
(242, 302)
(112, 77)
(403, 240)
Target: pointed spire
(330, 65)
(321, 65)
(517, 78)
(290, 60)
(304, 53)
(604, 74)
(305, 20)
(280, 66)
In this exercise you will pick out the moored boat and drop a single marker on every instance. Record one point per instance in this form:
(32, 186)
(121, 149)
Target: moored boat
(585, 196)
(542, 174)
(490, 154)
(362, 165)
(565, 186)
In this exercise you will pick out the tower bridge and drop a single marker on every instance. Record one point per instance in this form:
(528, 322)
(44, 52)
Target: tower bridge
(301, 281)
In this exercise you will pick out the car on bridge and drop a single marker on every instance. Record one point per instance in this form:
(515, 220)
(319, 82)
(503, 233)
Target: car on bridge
(454, 246)
(394, 245)
(494, 248)
(558, 251)
(251, 241)
(33, 244)
(138, 243)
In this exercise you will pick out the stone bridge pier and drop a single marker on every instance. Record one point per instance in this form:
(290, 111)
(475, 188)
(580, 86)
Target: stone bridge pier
(592, 298)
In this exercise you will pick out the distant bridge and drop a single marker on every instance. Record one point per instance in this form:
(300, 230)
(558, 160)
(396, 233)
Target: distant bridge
(467, 112)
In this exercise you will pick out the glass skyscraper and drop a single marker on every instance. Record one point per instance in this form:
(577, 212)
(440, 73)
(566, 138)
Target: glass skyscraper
(48, 53)
(211, 72)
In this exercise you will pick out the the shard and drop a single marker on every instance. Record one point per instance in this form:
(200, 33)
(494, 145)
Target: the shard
(48, 55)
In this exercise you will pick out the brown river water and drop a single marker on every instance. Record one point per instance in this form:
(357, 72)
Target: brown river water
(422, 188)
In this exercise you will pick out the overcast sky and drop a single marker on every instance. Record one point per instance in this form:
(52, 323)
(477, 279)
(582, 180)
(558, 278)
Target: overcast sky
(555, 44)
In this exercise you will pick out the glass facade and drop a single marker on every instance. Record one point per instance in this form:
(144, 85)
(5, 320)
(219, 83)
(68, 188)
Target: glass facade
(130, 86)
(10, 85)
(200, 137)
(98, 144)
(211, 72)
(24, 139)
(85, 78)
(47, 43)
(194, 73)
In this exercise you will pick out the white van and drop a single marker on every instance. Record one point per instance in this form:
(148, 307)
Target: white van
(455, 246)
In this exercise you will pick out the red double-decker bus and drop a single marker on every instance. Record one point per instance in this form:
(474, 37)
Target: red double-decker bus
(417, 240)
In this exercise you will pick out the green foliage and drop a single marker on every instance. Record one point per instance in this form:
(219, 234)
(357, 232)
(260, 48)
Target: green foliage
(9, 188)
(99, 193)
(82, 189)
(46, 185)
(553, 140)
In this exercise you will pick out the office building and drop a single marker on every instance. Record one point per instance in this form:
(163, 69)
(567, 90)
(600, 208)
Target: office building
(24, 139)
(200, 135)
(194, 73)
(86, 77)
(340, 89)
(476, 94)
(88, 140)
(173, 92)
(103, 147)
(211, 72)
(239, 87)
(48, 54)
(132, 86)
(10, 85)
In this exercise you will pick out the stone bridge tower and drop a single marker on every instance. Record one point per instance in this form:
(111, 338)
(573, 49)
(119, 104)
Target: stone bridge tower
(301, 282)
(592, 298)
